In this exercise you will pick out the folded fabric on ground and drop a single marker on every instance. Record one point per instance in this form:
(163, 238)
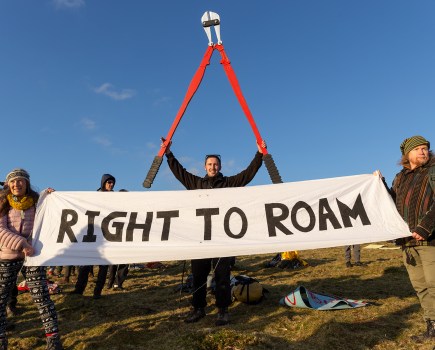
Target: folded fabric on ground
(303, 298)
(380, 246)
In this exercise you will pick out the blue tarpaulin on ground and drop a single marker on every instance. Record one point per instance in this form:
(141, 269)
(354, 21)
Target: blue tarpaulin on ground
(303, 298)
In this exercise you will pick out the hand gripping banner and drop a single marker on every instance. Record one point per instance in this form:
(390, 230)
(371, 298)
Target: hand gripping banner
(212, 19)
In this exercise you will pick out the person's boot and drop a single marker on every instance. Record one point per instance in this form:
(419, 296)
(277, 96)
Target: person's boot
(53, 342)
(223, 317)
(118, 287)
(429, 334)
(195, 315)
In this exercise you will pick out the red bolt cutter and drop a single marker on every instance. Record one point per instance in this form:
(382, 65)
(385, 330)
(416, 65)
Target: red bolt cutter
(212, 19)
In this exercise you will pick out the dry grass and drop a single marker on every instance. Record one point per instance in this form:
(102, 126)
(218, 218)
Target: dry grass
(148, 314)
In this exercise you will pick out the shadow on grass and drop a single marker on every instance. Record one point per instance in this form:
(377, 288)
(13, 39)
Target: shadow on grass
(333, 335)
(149, 313)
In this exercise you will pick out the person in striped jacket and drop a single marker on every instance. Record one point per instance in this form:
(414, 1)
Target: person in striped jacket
(413, 193)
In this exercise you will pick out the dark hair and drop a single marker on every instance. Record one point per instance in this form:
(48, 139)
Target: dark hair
(217, 156)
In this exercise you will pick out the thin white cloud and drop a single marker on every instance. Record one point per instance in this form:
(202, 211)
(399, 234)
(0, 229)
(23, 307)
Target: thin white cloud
(151, 145)
(69, 3)
(230, 163)
(161, 101)
(186, 159)
(194, 171)
(103, 141)
(108, 90)
(91, 128)
(88, 124)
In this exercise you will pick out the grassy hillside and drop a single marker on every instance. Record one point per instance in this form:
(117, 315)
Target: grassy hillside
(148, 314)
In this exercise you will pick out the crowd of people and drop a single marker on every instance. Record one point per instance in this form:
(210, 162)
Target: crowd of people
(412, 190)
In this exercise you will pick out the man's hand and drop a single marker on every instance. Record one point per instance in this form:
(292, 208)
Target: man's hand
(378, 173)
(417, 237)
(168, 147)
(260, 147)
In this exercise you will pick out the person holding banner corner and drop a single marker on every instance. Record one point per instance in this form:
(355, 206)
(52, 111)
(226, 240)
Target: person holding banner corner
(413, 192)
(17, 214)
(222, 266)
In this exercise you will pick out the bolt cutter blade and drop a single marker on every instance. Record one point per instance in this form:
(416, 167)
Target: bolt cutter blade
(211, 19)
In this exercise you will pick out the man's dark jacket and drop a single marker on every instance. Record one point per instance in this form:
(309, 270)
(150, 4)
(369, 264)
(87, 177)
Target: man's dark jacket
(193, 182)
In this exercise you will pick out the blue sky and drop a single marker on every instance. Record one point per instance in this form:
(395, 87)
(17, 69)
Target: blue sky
(88, 87)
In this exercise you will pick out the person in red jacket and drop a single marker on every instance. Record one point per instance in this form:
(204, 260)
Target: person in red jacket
(17, 214)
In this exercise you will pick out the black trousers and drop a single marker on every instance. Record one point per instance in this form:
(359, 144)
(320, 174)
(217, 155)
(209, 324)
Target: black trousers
(117, 275)
(13, 298)
(222, 272)
(82, 279)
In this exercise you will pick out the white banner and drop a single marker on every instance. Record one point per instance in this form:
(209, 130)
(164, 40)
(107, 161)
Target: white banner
(97, 228)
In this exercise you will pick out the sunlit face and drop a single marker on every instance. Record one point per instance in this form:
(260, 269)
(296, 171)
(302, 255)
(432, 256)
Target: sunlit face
(418, 156)
(212, 166)
(108, 185)
(18, 187)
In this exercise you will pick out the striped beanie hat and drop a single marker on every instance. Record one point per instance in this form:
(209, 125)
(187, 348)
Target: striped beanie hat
(17, 173)
(412, 142)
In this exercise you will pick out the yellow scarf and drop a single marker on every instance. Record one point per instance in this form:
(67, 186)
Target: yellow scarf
(20, 204)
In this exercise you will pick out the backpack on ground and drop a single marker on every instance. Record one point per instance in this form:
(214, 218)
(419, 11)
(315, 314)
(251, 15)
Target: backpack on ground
(274, 262)
(247, 290)
(287, 260)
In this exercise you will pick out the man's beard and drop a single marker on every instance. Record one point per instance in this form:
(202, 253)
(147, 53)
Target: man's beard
(422, 161)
